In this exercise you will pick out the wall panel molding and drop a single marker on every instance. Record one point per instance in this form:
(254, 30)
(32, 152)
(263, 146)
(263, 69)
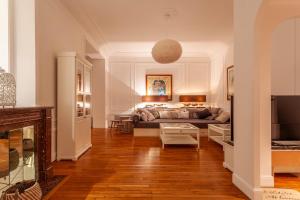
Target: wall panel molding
(127, 80)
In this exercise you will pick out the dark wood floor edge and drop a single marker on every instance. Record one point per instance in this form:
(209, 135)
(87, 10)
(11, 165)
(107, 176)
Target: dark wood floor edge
(56, 188)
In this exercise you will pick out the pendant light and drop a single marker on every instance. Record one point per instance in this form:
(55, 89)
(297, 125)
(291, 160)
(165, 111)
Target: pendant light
(167, 50)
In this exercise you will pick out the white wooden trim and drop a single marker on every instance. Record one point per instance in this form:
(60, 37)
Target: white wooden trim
(257, 193)
(78, 57)
(82, 151)
(243, 185)
(227, 166)
(11, 24)
(228, 156)
(267, 181)
(73, 133)
(66, 157)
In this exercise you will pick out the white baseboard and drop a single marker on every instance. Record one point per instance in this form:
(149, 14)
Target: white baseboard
(99, 126)
(53, 156)
(82, 151)
(257, 194)
(74, 157)
(227, 167)
(65, 157)
(267, 181)
(243, 186)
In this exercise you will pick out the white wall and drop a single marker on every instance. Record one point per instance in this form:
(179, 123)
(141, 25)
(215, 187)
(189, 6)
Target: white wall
(254, 24)
(127, 80)
(4, 34)
(56, 31)
(219, 65)
(217, 81)
(286, 58)
(229, 61)
(24, 57)
(246, 162)
(98, 91)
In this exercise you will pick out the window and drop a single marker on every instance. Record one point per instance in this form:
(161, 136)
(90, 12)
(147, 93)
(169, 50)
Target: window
(4, 30)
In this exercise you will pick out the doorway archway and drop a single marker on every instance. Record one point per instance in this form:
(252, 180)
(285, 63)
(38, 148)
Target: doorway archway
(269, 16)
(254, 23)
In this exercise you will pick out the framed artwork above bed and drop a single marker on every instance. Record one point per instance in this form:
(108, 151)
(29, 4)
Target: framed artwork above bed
(159, 85)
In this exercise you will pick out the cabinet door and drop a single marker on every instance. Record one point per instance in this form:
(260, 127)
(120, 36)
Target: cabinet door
(82, 135)
(87, 80)
(87, 105)
(87, 91)
(79, 77)
(79, 89)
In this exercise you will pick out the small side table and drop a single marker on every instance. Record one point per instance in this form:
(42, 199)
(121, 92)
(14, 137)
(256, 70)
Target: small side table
(179, 133)
(115, 123)
(218, 132)
(127, 126)
(124, 123)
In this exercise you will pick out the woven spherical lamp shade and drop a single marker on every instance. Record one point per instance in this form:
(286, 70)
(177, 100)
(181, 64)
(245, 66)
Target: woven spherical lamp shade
(166, 51)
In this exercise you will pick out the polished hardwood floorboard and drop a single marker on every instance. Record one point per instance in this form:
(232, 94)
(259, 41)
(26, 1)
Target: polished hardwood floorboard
(288, 181)
(119, 166)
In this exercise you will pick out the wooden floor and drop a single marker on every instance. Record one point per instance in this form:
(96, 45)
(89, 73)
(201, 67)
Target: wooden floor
(122, 167)
(288, 181)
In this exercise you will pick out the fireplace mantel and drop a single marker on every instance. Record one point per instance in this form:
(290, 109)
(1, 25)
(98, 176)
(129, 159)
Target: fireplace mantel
(40, 118)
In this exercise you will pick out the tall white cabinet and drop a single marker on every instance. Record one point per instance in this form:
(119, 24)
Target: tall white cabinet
(73, 106)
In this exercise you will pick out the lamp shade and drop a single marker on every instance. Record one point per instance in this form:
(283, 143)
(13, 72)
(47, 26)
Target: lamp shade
(166, 51)
(155, 98)
(192, 98)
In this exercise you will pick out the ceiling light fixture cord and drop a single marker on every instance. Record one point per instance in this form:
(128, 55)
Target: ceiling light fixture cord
(167, 50)
(167, 18)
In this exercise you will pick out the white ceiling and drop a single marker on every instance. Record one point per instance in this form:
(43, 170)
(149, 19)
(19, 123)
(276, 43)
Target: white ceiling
(132, 26)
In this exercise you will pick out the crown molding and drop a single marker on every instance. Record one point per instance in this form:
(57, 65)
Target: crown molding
(89, 26)
(148, 59)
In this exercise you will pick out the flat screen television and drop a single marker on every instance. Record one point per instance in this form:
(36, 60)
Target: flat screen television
(285, 118)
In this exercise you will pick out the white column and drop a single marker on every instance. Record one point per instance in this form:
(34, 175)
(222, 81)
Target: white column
(24, 55)
(4, 35)
(247, 165)
(98, 93)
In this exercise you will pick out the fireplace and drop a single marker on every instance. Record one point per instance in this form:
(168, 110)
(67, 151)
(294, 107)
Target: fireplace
(17, 162)
(25, 145)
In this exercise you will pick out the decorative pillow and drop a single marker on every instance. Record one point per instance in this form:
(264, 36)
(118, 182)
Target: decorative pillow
(214, 110)
(165, 114)
(137, 115)
(212, 117)
(139, 110)
(193, 112)
(144, 117)
(183, 109)
(183, 114)
(195, 115)
(223, 117)
(154, 112)
(149, 115)
(203, 114)
(220, 111)
(174, 114)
